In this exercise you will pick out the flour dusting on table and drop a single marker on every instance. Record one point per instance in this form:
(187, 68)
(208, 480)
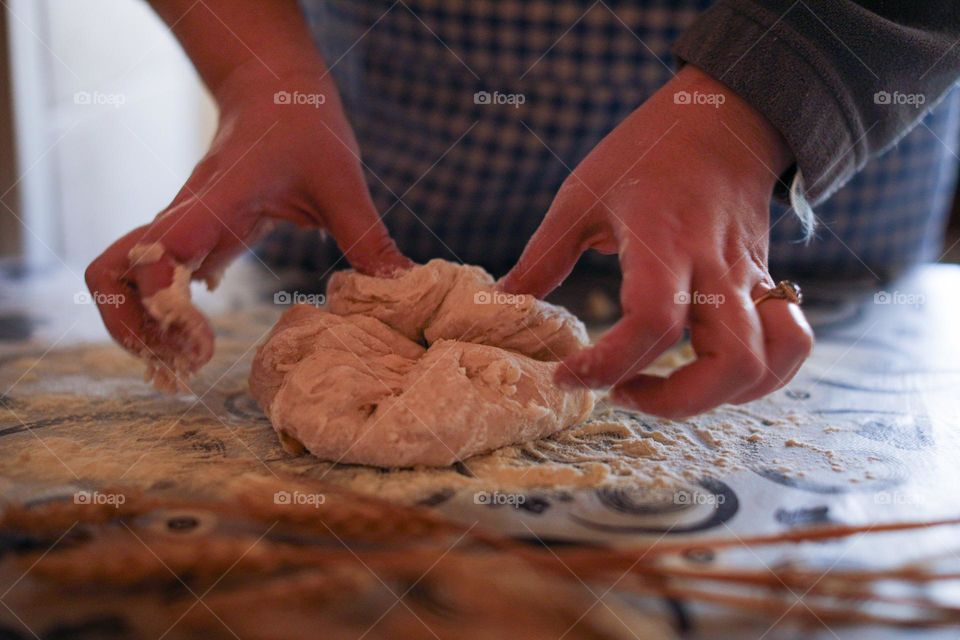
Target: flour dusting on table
(83, 415)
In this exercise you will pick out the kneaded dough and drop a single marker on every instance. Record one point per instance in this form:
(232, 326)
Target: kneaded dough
(427, 368)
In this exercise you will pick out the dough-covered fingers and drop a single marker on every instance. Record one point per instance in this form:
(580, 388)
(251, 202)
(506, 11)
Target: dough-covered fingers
(728, 340)
(151, 269)
(117, 301)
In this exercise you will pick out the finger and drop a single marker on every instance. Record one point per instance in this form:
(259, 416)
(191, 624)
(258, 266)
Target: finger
(184, 235)
(208, 229)
(652, 321)
(141, 264)
(124, 317)
(727, 338)
(351, 218)
(365, 241)
(555, 247)
(212, 268)
(546, 261)
(787, 341)
(120, 303)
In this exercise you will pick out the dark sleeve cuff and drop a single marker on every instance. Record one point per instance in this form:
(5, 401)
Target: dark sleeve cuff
(758, 55)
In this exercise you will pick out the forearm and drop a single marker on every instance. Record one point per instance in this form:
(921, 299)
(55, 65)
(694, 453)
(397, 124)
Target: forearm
(221, 36)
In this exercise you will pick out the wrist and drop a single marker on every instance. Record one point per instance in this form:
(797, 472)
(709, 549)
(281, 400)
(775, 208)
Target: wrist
(737, 134)
(252, 79)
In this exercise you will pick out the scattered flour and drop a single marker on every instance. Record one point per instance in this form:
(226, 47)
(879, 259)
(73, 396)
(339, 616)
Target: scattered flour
(82, 414)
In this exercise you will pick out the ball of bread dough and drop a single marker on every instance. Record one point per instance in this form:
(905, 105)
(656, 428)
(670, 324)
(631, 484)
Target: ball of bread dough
(426, 368)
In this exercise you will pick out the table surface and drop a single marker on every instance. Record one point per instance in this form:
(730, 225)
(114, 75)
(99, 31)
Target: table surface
(879, 393)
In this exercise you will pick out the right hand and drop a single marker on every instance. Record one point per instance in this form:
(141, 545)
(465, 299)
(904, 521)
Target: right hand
(270, 160)
(682, 195)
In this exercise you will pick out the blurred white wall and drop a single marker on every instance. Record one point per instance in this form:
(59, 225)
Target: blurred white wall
(110, 119)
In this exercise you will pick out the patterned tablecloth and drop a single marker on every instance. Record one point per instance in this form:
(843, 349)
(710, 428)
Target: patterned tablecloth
(867, 432)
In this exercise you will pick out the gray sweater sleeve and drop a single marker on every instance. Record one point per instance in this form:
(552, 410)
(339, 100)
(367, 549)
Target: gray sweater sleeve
(841, 80)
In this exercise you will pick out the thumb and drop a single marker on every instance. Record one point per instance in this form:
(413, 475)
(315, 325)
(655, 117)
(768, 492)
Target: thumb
(548, 258)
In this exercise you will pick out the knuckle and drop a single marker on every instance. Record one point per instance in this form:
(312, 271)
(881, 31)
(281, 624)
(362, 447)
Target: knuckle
(660, 319)
(661, 329)
(93, 274)
(748, 366)
(572, 189)
(381, 244)
(717, 266)
(90, 274)
(379, 252)
(801, 341)
(384, 246)
(673, 333)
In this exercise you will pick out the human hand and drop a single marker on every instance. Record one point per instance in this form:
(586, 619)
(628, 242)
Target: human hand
(681, 191)
(272, 158)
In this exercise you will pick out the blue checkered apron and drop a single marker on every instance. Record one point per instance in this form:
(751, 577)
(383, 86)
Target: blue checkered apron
(469, 179)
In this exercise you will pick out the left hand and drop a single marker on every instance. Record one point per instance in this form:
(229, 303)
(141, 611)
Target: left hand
(681, 191)
(269, 161)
